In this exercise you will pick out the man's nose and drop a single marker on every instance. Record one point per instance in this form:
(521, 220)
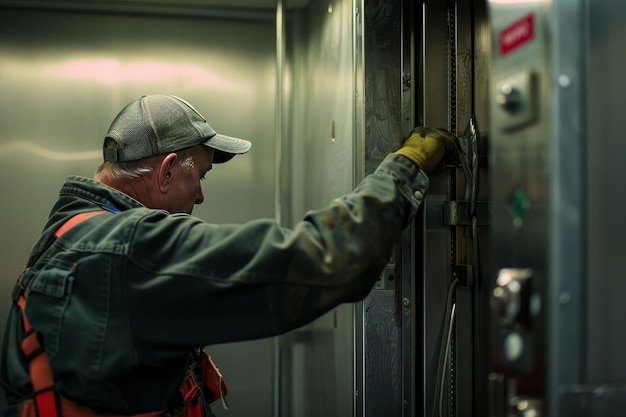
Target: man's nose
(200, 196)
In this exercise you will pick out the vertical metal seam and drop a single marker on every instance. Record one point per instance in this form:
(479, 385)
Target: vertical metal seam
(423, 359)
(567, 278)
(280, 48)
(358, 372)
(358, 30)
(408, 279)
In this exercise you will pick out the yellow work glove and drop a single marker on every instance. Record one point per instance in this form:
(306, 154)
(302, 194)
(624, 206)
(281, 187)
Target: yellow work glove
(427, 146)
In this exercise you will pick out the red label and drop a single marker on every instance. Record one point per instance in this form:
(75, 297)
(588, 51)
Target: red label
(517, 35)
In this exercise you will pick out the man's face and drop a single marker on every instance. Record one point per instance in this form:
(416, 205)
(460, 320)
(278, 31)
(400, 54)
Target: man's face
(188, 173)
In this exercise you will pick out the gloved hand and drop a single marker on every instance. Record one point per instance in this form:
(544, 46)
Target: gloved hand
(427, 146)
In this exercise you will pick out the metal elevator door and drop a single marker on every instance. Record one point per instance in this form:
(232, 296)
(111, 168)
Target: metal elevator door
(426, 63)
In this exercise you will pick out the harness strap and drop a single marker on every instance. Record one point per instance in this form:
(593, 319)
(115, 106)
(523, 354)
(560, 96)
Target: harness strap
(71, 409)
(38, 367)
(46, 402)
(75, 220)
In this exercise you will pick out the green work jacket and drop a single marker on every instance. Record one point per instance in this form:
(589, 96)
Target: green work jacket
(122, 298)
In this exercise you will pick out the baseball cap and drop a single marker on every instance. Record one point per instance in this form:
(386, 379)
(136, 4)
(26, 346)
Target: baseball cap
(157, 124)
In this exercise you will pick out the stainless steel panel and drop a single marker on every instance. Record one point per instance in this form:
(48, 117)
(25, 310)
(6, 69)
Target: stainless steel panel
(382, 350)
(520, 190)
(566, 297)
(387, 330)
(605, 345)
(317, 164)
(606, 342)
(564, 163)
(64, 79)
(318, 119)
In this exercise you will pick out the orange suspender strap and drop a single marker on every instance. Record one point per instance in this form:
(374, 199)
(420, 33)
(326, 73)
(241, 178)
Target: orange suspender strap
(80, 217)
(46, 401)
(38, 368)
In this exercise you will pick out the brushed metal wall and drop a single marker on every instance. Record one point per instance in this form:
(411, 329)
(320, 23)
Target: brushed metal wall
(63, 77)
(317, 361)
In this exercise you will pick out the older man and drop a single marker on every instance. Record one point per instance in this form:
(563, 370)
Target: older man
(124, 285)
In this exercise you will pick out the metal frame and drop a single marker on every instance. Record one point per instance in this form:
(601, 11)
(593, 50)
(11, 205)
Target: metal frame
(383, 321)
(566, 294)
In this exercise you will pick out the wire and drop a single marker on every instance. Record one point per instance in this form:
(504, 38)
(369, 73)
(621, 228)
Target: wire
(471, 175)
(447, 326)
(445, 358)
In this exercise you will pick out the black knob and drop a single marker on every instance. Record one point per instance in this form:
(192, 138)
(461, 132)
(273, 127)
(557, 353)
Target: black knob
(509, 98)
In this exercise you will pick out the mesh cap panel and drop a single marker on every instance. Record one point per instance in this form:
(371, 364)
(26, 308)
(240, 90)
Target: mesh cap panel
(158, 124)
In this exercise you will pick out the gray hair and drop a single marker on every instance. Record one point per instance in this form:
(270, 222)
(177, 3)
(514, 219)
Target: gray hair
(134, 169)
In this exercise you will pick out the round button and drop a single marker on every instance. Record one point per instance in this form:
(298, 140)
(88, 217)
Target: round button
(513, 346)
(509, 98)
(505, 303)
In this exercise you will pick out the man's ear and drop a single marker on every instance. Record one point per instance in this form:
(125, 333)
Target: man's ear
(165, 173)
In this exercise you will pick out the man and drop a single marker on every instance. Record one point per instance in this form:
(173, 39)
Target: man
(132, 285)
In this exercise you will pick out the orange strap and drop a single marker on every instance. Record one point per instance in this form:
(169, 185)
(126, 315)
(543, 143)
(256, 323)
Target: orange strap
(46, 403)
(192, 397)
(76, 220)
(70, 409)
(38, 368)
(213, 380)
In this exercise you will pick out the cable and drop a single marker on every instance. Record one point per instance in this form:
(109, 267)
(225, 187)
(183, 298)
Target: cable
(447, 326)
(471, 176)
(445, 358)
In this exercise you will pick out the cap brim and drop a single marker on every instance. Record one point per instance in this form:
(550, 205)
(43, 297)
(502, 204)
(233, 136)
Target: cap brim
(226, 147)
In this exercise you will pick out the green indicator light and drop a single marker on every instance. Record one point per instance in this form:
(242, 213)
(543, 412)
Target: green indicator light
(519, 206)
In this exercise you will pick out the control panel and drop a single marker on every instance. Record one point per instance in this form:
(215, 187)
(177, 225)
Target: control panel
(518, 185)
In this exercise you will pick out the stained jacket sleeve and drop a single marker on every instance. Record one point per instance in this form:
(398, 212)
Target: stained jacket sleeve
(198, 284)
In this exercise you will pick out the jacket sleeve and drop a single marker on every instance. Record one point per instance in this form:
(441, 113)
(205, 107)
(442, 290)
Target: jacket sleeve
(194, 283)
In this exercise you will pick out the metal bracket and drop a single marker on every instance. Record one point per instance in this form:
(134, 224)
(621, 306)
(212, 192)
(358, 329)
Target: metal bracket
(457, 213)
(465, 275)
